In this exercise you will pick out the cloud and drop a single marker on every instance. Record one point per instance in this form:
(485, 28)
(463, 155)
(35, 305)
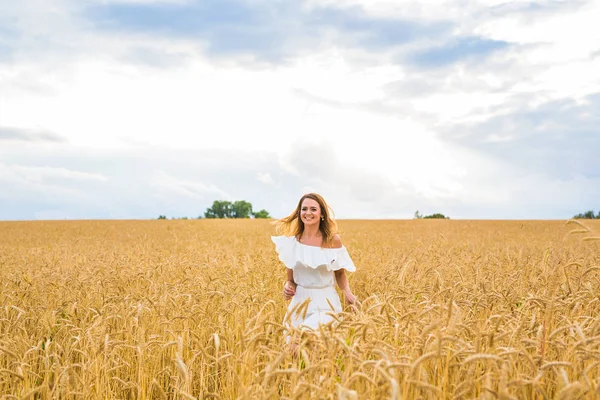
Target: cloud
(468, 49)
(463, 12)
(527, 10)
(30, 191)
(149, 181)
(144, 2)
(172, 186)
(72, 183)
(47, 183)
(265, 178)
(150, 55)
(28, 135)
(8, 36)
(272, 32)
(46, 174)
(355, 190)
(558, 138)
(5, 52)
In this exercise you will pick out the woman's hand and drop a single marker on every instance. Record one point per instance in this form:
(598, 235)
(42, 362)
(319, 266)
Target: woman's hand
(351, 299)
(289, 289)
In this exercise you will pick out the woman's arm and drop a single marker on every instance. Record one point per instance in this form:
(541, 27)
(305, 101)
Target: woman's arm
(340, 276)
(289, 287)
(342, 281)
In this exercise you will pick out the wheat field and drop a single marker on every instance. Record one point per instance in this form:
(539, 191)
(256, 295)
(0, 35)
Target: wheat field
(193, 309)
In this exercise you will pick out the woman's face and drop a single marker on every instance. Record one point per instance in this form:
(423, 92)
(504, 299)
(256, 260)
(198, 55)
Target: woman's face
(310, 212)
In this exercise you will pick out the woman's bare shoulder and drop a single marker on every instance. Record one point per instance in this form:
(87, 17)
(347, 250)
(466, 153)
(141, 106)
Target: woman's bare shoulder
(336, 241)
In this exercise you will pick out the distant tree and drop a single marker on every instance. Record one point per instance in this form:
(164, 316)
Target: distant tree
(241, 209)
(261, 214)
(223, 208)
(237, 209)
(418, 215)
(162, 217)
(209, 214)
(436, 216)
(587, 215)
(219, 209)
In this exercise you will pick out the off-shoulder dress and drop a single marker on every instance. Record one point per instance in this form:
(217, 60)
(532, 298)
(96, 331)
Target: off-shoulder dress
(315, 279)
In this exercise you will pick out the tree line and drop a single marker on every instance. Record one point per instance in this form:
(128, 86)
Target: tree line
(587, 215)
(418, 215)
(243, 209)
(228, 209)
(237, 209)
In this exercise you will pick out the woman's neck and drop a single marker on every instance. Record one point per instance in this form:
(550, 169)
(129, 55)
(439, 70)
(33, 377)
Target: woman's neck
(311, 232)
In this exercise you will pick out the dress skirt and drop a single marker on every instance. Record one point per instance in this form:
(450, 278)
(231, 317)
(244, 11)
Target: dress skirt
(312, 306)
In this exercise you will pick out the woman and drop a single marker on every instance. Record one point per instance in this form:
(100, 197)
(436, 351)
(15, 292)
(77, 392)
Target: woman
(314, 257)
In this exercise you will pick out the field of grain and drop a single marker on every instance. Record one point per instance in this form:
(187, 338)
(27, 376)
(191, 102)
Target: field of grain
(193, 309)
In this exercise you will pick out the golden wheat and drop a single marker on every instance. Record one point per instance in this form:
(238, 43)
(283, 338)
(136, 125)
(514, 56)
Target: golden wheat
(194, 309)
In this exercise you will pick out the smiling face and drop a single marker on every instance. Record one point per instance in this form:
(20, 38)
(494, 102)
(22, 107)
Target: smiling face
(310, 212)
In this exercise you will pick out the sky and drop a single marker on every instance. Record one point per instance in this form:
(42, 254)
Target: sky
(131, 109)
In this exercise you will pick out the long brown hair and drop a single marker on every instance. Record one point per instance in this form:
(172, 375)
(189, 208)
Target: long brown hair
(292, 225)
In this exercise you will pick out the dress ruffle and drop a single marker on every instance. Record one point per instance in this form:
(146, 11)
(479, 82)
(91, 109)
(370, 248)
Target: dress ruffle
(291, 252)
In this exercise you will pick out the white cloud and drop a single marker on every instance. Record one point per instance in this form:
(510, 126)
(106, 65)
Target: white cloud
(421, 10)
(171, 187)
(266, 178)
(494, 138)
(142, 2)
(29, 174)
(51, 192)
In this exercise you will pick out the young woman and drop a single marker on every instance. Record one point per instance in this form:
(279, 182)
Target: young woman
(315, 259)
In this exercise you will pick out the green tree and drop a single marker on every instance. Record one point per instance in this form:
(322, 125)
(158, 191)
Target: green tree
(237, 209)
(261, 214)
(209, 214)
(587, 215)
(436, 216)
(162, 217)
(219, 209)
(418, 215)
(241, 209)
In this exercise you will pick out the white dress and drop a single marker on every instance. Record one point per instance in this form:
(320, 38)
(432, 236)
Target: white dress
(315, 279)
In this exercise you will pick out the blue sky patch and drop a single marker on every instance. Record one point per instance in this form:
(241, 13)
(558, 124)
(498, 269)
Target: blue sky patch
(8, 38)
(456, 50)
(6, 52)
(375, 32)
(270, 31)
